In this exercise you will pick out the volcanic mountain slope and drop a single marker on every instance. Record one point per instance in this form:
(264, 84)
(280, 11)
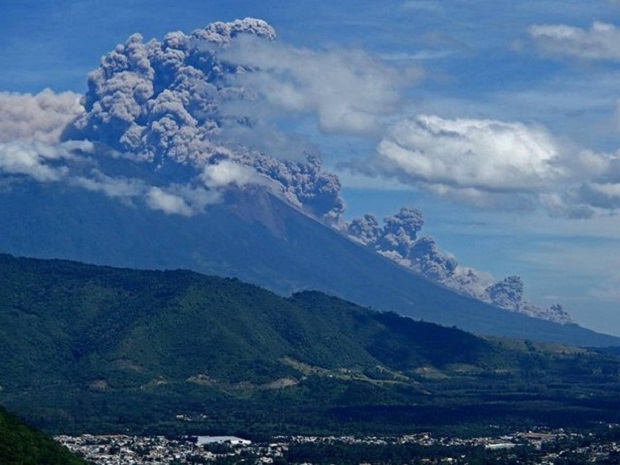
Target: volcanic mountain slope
(257, 237)
(169, 162)
(86, 348)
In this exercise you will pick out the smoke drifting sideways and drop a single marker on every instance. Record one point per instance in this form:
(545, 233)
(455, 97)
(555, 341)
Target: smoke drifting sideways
(165, 106)
(171, 125)
(398, 240)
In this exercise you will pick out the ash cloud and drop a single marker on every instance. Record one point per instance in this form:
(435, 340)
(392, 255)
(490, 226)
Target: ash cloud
(365, 230)
(30, 149)
(170, 104)
(170, 124)
(41, 117)
(398, 239)
(508, 293)
(175, 112)
(400, 231)
(189, 107)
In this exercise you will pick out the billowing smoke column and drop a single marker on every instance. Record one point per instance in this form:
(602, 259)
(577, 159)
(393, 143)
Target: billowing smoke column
(507, 293)
(400, 231)
(170, 124)
(398, 240)
(365, 230)
(426, 258)
(161, 102)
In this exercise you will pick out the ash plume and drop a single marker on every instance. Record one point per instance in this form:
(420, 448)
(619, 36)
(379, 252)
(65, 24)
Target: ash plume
(426, 258)
(508, 293)
(365, 230)
(400, 231)
(161, 103)
(398, 240)
(169, 125)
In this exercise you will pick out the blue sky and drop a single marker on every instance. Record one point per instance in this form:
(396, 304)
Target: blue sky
(500, 120)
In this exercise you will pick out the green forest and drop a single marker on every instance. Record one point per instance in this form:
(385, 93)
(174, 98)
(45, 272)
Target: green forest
(22, 445)
(102, 350)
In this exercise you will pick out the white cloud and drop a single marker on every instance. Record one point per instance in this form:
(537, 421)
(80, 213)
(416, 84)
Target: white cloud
(124, 188)
(600, 179)
(68, 163)
(480, 198)
(600, 42)
(172, 199)
(604, 195)
(419, 55)
(499, 165)
(40, 117)
(610, 190)
(347, 89)
(480, 155)
(565, 205)
(197, 197)
(35, 160)
(158, 199)
(227, 172)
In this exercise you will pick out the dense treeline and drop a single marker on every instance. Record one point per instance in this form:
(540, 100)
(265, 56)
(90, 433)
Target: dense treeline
(86, 348)
(22, 445)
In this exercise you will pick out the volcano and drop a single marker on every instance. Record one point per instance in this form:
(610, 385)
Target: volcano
(255, 236)
(170, 161)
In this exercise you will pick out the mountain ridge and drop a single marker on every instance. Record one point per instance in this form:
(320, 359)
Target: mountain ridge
(166, 163)
(123, 348)
(256, 237)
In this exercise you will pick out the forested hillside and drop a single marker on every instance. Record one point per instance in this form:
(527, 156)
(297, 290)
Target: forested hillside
(22, 445)
(87, 348)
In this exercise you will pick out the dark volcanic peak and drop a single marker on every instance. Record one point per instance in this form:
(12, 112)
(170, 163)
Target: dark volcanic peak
(259, 238)
(171, 130)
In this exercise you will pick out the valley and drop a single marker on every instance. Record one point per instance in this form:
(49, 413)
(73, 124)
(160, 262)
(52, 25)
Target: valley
(182, 280)
(176, 352)
(542, 446)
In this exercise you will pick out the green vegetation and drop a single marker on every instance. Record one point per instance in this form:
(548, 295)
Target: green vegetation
(22, 445)
(98, 349)
(258, 238)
